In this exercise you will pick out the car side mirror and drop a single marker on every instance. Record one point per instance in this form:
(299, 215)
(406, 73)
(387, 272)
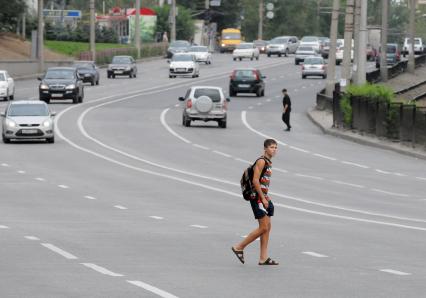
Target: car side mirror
(228, 99)
(181, 98)
(39, 78)
(53, 114)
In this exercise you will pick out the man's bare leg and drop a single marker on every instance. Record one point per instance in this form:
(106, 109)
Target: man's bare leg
(264, 240)
(264, 226)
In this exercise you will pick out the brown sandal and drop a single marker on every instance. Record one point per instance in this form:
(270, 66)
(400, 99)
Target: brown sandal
(239, 254)
(269, 261)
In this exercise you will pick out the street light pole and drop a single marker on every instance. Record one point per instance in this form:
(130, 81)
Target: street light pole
(92, 30)
(384, 41)
(356, 40)
(173, 21)
(40, 41)
(261, 13)
(349, 25)
(411, 63)
(362, 55)
(332, 54)
(138, 29)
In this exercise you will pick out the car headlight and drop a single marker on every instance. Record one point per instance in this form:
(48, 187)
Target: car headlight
(223, 45)
(47, 123)
(10, 123)
(69, 87)
(44, 86)
(127, 67)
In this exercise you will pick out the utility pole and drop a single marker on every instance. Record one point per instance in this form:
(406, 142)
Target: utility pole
(384, 41)
(92, 30)
(261, 13)
(206, 39)
(40, 41)
(138, 28)
(332, 54)
(318, 17)
(356, 39)
(411, 63)
(173, 21)
(362, 55)
(24, 29)
(349, 26)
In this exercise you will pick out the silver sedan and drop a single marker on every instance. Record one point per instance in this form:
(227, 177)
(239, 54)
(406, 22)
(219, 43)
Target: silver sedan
(314, 66)
(28, 120)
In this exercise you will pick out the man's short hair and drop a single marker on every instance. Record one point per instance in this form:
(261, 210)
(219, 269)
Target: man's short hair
(284, 90)
(269, 142)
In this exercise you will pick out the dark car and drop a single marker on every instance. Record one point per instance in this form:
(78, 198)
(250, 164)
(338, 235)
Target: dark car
(88, 71)
(178, 46)
(248, 80)
(122, 66)
(61, 83)
(393, 55)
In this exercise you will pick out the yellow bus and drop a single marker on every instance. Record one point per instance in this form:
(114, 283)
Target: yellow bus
(229, 39)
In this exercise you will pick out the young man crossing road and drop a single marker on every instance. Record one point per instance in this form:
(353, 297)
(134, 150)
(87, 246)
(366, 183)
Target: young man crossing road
(261, 205)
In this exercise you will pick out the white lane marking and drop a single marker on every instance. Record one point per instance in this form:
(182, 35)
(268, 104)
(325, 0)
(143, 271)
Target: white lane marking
(274, 79)
(4, 227)
(4, 165)
(90, 197)
(152, 289)
(33, 238)
(268, 100)
(314, 254)
(245, 236)
(281, 77)
(201, 147)
(303, 87)
(348, 184)
(299, 149)
(277, 96)
(382, 172)
(325, 156)
(163, 121)
(296, 90)
(396, 272)
(63, 186)
(221, 153)
(390, 193)
(250, 108)
(101, 269)
(244, 120)
(199, 227)
(309, 176)
(259, 103)
(400, 174)
(355, 164)
(21, 172)
(40, 179)
(156, 217)
(176, 105)
(280, 170)
(59, 251)
(421, 178)
(242, 160)
(120, 207)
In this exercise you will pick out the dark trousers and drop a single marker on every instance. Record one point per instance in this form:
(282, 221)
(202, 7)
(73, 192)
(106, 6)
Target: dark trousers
(286, 119)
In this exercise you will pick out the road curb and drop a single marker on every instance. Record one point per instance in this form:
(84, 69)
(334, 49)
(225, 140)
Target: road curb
(362, 139)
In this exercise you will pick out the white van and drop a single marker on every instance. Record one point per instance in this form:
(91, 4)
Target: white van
(418, 46)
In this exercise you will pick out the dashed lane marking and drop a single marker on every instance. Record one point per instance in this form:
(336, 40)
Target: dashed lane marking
(259, 103)
(396, 272)
(59, 251)
(120, 207)
(390, 193)
(63, 186)
(348, 184)
(101, 269)
(90, 197)
(40, 179)
(280, 170)
(355, 164)
(201, 147)
(156, 217)
(4, 227)
(199, 227)
(4, 165)
(242, 160)
(309, 176)
(421, 178)
(383, 172)
(325, 156)
(21, 172)
(400, 174)
(299, 149)
(32, 238)
(268, 100)
(250, 108)
(221, 153)
(152, 289)
(314, 254)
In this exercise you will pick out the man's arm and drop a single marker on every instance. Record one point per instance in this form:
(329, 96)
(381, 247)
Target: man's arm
(260, 164)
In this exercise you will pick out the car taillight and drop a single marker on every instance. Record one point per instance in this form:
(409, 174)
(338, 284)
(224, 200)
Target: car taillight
(225, 105)
(189, 103)
(256, 75)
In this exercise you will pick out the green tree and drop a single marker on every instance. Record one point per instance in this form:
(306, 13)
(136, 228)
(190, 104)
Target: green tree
(184, 22)
(10, 12)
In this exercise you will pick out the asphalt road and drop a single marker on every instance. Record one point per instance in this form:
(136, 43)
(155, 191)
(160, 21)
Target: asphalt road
(129, 203)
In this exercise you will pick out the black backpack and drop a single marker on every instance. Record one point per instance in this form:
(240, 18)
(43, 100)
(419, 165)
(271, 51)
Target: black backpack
(247, 187)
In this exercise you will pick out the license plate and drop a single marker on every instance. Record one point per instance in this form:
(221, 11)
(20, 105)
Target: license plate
(243, 85)
(181, 69)
(118, 71)
(87, 75)
(29, 131)
(57, 95)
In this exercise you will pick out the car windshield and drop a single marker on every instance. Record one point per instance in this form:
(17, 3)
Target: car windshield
(390, 49)
(179, 44)
(260, 42)
(245, 73)
(214, 94)
(2, 77)
(279, 40)
(121, 60)
(64, 74)
(182, 58)
(305, 49)
(314, 61)
(83, 66)
(20, 110)
(198, 49)
(416, 41)
(309, 39)
(245, 46)
(231, 36)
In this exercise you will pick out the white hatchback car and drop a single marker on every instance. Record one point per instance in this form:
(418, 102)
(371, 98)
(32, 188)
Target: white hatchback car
(28, 119)
(205, 103)
(246, 50)
(201, 54)
(7, 86)
(184, 64)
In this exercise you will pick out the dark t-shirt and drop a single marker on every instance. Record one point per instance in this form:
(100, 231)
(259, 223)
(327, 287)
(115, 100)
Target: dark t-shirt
(287, 101)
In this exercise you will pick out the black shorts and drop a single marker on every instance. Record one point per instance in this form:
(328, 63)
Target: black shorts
(259, 211)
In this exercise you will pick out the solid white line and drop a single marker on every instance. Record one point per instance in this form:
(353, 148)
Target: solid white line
(308, 176)
(280, 170)
(199, 227)
(152, 289)
(268, 100)
(201, 147)
(21, 172)
(355, 164)
(90, 197)
(163, 121)
(120, 207)
(221, 153)
(382, 172)
(63, 186)
(299, 149)
(59, 251)
(4, 227)
(324, 156)
(400, 174)
(4, 165)
(244, 120)
(390, 193)
(40, 179)
(348, 184)
(421, 178)
(259, 103)
(33, 238)
(396, 272)
(156, 217)
(314, 254)
(242, 160)
(101, 269)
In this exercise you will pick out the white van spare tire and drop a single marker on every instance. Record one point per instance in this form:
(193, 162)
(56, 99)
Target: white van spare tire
(203, 104)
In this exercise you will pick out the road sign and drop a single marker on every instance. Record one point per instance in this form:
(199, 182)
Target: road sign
(215, 3)
(270, 14)
(71, 14)
(270, 6)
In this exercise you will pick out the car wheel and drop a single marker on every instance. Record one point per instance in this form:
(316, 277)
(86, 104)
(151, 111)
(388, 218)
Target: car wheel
(187, 122)
(303, 77)
(75, 99)
(269, 55)
(170, 77)
(131, 74)
(251, 59)
(324, 76)
(222, 123)
(279, 55)
(241, 59)
(263, 92)
(50, 140)
(296, 62)
(235, 59)
(113, 76)
(92, 82)
(194, 76)
(5, 140)
(286, 52)
(257, 58)
(45, 100)
(258, 93)
(135, 75)
(97, 82)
